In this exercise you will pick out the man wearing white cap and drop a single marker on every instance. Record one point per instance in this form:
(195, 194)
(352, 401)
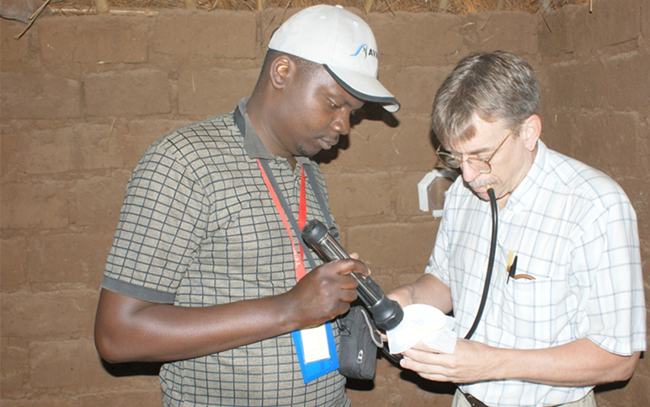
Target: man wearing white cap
(208, 272)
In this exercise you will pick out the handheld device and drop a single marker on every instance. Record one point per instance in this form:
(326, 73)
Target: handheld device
(386, 313)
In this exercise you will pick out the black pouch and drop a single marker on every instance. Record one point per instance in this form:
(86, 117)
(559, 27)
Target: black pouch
(359, 341)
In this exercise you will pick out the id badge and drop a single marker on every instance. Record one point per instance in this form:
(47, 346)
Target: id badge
(316, 351)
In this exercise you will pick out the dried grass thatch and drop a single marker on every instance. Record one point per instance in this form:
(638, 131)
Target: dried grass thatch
(381, 6)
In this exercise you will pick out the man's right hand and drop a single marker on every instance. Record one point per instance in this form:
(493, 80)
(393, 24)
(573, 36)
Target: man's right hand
(325, 292)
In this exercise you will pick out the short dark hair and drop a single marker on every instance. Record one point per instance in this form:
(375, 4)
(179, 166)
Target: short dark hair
(306, 67)
(495, 85)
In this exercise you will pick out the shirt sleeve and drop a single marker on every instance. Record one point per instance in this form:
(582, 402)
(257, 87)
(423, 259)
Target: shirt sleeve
(161, 225)
(609, 254)
(439, 259)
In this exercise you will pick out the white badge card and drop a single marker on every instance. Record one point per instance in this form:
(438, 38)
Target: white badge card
(314, 344)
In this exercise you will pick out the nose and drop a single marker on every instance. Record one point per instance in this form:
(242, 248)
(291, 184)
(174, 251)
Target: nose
(341, 123)
(469, 173)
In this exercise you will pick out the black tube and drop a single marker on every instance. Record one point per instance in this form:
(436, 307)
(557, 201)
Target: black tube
(488, 276)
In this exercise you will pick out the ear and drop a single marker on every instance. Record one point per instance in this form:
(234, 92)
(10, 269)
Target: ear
(281, 67)
(531, 130)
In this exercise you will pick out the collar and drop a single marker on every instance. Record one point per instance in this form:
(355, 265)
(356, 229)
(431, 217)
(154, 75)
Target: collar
(526, 192)
(253, 144)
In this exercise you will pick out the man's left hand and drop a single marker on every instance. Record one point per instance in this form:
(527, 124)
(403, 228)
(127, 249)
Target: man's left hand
(471, 362)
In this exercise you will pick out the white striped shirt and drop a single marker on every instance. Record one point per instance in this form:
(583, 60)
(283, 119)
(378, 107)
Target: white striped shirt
(574, 230)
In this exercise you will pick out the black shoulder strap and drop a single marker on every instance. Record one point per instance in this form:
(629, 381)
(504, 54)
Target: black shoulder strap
(322, 202)
(309, 174)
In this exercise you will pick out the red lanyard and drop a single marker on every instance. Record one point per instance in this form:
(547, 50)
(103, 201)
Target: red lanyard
(298, 255)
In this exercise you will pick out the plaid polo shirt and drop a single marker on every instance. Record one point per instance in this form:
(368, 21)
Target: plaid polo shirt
(575, 231)
(198, 228)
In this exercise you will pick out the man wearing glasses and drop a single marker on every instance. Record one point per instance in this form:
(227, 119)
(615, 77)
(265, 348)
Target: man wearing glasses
(565, 308)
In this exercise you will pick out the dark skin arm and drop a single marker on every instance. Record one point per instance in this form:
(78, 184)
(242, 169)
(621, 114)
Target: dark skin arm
(129, 330)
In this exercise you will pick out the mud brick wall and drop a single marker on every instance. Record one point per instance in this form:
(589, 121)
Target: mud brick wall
(83, 96)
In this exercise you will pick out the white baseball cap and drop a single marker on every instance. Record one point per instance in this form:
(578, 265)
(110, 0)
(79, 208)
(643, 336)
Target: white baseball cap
(343, 43)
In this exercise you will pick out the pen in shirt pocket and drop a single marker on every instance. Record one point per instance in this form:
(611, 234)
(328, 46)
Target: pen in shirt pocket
(512, 266)
(512, 269)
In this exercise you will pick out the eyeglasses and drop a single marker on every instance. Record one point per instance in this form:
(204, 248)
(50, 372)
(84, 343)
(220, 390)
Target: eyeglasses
(478, 164)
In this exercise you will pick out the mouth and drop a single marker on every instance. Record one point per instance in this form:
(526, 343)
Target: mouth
(328, 142)
(481, 188)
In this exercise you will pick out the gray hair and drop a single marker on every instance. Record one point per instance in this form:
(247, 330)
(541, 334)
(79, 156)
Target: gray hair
(495, 85)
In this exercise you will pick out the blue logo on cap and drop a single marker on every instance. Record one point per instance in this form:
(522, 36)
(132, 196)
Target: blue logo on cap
(367, 51)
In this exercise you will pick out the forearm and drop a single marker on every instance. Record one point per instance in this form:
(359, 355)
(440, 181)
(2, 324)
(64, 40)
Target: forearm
(579, 363)
(129, 329)
(162, 332)
(426, 290)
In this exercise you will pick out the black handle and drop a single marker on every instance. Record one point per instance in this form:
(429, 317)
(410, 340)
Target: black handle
(386, 313)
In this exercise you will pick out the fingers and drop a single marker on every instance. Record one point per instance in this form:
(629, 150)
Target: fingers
(424, 348)
(430, 369)
(327, 291)
(351, 265)
(436, 366)
(348, 295)
(331, 283)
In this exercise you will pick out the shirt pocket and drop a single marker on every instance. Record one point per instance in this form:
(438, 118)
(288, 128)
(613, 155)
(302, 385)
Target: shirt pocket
(533, 311)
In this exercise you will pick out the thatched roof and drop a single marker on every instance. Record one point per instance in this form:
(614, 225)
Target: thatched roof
(382, 6)
(28, 11)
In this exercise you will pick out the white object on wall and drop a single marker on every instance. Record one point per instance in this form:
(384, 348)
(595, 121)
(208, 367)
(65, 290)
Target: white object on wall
(431, 190)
